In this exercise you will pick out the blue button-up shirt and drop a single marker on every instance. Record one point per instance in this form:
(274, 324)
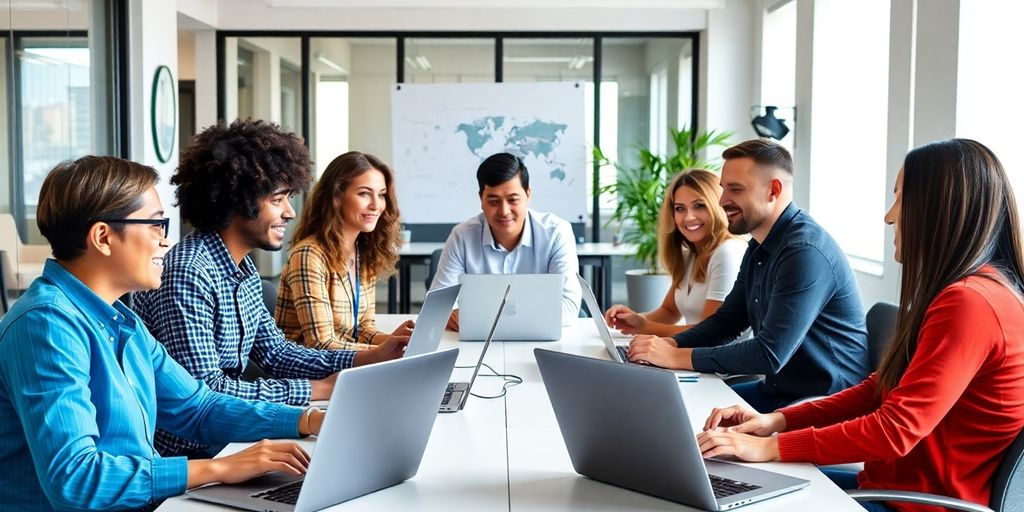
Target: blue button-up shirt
(798, 294)
(82, 386)
(546, 247)
(209, 313)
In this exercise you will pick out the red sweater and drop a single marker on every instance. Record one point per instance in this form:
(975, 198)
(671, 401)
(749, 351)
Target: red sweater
(944, 428)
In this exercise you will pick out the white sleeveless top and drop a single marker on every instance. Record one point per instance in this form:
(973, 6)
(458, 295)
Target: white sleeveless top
(722, 271)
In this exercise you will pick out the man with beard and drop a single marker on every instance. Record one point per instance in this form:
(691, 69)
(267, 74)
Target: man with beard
(234, 185)
(795, 290)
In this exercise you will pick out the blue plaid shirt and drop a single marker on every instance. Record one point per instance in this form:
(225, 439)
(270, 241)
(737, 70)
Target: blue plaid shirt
(209, 313)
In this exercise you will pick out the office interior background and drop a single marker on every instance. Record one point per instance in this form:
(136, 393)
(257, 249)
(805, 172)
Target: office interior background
(859, 84)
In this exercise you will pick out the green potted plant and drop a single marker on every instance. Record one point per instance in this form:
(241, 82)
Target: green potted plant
(640, 190)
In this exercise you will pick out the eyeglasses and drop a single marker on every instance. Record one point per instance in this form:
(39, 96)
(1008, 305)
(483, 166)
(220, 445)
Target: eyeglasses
(164, 223)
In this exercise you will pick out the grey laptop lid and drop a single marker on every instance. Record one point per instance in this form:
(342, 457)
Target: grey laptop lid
(533, 311)
(597, 314)
(626, 425)
(389, 408)
(437, 307)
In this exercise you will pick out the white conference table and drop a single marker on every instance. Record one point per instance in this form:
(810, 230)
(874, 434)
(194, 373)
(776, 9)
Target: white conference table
(508, 454)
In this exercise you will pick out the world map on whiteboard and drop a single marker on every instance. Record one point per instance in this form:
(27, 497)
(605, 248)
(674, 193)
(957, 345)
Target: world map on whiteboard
(441, 133)
(525, 137)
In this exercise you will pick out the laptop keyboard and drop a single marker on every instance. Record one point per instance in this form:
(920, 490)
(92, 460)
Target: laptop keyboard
(288, 494)
(448, 393)
(724, 487)
(624, 352)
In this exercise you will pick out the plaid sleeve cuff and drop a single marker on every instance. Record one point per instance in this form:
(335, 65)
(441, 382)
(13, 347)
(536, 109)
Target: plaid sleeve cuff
(299, 391)
(170, 476)
(344, 359)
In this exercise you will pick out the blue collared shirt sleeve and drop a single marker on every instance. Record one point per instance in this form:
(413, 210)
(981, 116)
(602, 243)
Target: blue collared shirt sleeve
(185, 302)
(565, 262)
(48, 382)
(189, 409)
(803, 286)
(288, 359)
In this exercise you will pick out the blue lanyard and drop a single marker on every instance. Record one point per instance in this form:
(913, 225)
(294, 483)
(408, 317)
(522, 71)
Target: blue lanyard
(356, 291)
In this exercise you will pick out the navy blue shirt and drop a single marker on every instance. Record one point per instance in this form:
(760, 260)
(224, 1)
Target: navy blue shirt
(797, 293)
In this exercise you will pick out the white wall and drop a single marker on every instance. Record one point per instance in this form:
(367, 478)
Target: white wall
(729, 65)
(154, 43)
(257, 15)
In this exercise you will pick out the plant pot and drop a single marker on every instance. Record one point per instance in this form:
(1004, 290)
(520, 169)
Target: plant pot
(646, 291)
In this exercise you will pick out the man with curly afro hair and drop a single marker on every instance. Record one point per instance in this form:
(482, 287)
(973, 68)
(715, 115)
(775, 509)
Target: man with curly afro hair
(234, 186)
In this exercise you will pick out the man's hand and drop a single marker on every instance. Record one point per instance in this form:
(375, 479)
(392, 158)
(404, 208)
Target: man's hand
(663, 352)
(453, 321)
(392, 348)
(322, 389)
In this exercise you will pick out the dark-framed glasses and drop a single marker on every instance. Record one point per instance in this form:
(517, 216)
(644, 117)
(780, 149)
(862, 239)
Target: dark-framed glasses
(164, 223)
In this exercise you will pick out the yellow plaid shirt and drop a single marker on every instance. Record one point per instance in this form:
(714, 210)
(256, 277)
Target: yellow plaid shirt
(314, 303)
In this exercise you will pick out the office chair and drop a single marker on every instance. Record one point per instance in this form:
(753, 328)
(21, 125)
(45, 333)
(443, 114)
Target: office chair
(881, 322)
(435, 259)
(269, 294)
(1007, 488)
(252, 371)
(3, 285)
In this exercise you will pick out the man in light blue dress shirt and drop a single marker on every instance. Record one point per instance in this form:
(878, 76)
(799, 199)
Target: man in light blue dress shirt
(510, 238)
(83, 385)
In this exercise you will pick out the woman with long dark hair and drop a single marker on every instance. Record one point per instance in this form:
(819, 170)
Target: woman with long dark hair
(346, 240)
(948, 397)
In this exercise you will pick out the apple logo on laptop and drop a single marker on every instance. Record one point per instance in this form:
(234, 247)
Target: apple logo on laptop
(510, 307)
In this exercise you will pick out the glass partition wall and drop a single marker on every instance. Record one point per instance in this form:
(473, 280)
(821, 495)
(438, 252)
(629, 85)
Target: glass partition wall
(636, 87)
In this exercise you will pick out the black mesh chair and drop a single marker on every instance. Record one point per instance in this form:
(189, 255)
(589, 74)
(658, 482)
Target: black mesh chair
(1007, 488)
(881, 321)
(269, 294)
(253, 372)
(435, 259)
(3, 285)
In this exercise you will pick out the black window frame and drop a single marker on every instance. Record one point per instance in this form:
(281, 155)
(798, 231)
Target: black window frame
(498, 37)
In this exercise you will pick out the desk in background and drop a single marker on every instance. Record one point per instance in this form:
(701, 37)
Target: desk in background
(508, 454)
(595, 255)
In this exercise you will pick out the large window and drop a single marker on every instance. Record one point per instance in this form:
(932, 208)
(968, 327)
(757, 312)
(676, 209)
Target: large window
(848, 134)
(989, 78)
(58, 91)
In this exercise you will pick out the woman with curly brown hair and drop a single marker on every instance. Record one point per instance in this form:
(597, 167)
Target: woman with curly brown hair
(347, 238)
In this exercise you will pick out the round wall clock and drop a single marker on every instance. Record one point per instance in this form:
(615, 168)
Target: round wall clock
(164, 113)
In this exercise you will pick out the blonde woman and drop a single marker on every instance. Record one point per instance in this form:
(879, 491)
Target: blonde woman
(347, 239)
(699, 253)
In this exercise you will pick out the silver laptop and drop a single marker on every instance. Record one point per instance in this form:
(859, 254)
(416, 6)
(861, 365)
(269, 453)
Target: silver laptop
(626, 425)
(618, 353)
(456, 394)
(430, 324)
(389, 407)
(533, 311)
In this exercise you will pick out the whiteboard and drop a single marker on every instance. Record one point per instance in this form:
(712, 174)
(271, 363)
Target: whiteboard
(441, 133)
